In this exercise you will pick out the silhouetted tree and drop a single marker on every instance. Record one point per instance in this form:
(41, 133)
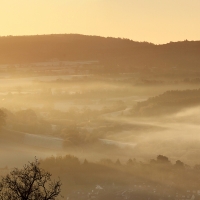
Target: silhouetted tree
(29, 183)
(129, 162)
(162, 159)
(118, 162)
(85, 162)
(179, 164)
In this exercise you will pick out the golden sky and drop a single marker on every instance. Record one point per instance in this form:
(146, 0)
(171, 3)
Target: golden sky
(157, 21)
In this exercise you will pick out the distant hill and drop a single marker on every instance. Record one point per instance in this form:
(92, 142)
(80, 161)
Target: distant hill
(109, 51)
(168, 102)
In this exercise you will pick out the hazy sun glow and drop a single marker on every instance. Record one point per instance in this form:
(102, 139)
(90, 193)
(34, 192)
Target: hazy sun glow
(158, 21)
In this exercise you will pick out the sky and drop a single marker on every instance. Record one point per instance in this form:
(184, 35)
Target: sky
(156, 21)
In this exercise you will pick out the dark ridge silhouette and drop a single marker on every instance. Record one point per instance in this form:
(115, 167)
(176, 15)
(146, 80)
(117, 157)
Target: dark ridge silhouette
(111, 52)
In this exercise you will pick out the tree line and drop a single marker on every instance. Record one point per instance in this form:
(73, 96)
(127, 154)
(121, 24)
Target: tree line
(168, 102)
(75, 172)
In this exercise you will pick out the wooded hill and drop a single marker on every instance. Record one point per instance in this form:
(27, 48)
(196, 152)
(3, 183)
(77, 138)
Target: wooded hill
(109, 51)
(168, 102)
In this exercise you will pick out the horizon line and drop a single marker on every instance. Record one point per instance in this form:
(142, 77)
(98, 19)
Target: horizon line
(50, 34)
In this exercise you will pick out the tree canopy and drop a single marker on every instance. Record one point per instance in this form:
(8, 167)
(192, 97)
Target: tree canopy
(29, 183)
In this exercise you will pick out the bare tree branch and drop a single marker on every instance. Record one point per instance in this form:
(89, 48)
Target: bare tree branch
(29, 183)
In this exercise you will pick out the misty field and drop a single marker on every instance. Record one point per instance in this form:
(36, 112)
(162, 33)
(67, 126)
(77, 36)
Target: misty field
(115, 136)
(97, 117)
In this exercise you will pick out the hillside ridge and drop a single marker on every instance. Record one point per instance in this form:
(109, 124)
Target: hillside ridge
(109, 51)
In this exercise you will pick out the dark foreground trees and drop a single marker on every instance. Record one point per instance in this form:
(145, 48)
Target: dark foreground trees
(29, 183)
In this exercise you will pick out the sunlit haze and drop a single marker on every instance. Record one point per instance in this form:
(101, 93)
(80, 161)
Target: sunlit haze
(157, 21)
(104, 94)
